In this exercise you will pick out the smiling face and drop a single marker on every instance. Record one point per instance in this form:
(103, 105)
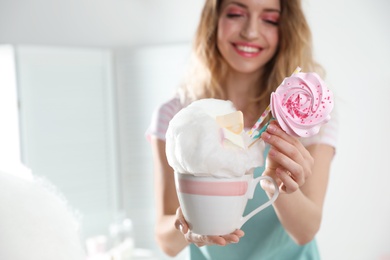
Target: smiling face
(248, 33)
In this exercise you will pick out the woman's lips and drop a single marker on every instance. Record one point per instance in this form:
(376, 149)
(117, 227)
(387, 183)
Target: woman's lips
(247, 50)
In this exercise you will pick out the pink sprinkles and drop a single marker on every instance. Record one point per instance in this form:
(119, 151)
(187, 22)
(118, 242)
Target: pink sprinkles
(303, 103)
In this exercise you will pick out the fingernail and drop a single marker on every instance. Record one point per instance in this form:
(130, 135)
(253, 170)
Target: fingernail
(265, 136)
(271, 128)
(272, 152)
(181, 227)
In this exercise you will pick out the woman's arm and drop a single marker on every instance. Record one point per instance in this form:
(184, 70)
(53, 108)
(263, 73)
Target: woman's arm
(303, 174)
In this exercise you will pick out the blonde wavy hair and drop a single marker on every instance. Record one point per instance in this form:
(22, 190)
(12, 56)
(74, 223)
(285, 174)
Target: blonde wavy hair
(208, 68)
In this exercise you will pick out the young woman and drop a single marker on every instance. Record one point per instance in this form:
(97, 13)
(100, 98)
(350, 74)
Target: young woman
(243, 50)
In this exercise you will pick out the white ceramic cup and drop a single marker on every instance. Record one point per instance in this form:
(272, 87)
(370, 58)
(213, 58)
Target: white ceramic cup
(215, 206)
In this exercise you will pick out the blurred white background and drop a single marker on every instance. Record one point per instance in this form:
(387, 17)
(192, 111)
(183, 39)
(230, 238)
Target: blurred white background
(142, 48)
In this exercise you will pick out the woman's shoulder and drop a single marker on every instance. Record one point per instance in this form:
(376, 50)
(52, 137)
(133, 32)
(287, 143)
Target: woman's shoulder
(162, 115)
(170, 107)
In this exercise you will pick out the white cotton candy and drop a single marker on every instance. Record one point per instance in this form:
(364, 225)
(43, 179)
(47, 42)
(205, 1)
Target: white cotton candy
(195, 142)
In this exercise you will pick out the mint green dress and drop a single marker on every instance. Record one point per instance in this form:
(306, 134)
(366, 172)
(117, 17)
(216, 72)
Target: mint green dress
(265, 238)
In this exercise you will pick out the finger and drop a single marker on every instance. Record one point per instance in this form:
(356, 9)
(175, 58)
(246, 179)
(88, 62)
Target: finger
(295, 168)
(285, 143)
(231, 238)
(183, 228)
(282, 145)
(202, 240)
(275, 129)
(289, 184)
(234, 237)
(267, 186)
(239, 233)
(180, 222)
(288, 152)
(196, 239)
(216, 240)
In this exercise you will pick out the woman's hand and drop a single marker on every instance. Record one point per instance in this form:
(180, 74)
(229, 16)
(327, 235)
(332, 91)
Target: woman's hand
(288, 161)
(203, 240)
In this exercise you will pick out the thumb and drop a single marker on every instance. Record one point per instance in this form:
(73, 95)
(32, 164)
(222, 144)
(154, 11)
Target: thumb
(180, 223)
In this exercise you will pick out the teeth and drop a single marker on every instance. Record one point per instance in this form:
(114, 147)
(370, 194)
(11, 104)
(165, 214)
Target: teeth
(247, 49)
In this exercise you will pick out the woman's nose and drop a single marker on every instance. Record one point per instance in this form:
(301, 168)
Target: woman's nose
(251, 29)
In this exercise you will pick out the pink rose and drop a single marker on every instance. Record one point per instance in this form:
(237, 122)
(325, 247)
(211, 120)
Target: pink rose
(301, 104)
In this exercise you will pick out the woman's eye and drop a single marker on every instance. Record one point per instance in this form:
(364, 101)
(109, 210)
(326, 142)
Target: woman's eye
(234, 12)
(271, 19)
(272, 22)
(234, 15)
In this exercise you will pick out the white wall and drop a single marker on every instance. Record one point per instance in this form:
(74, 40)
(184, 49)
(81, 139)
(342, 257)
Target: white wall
(146, 77)
(101, 23)
(9, 125)
(351, 41)
(68, 134)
